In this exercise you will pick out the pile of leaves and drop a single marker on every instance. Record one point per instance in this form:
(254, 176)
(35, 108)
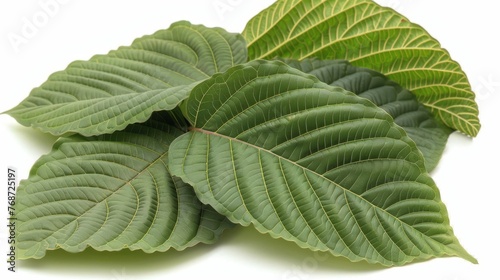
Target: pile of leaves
(319, 124)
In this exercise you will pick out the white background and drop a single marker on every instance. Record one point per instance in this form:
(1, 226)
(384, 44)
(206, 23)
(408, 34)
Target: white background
(467, 176)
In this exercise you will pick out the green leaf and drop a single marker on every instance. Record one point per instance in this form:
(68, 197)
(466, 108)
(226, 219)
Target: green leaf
(370, 36)
(111, 192)
(109, 92)
(102, 115)
(310, 163)
(429, 135)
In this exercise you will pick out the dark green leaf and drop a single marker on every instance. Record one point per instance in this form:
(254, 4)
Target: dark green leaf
(313, 164)
(429, 135)
(111, 192)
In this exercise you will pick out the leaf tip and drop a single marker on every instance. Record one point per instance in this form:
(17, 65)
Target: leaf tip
(468, 257)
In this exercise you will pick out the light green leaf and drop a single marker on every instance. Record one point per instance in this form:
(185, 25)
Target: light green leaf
(310, 163)
(110, 193)
(370, 36)
(109, 92)
(429, 135)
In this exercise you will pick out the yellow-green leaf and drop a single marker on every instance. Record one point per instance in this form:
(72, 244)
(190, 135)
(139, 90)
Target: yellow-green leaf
(370, 36)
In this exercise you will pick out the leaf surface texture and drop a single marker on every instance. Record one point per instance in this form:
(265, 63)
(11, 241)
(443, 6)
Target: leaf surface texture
(429, 135)
(109, 92)
(370, 36)
(111, 192)
(310, 163)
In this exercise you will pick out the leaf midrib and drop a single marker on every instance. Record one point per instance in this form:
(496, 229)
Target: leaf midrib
(207, 132)
(104, 200)
(339, 39)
